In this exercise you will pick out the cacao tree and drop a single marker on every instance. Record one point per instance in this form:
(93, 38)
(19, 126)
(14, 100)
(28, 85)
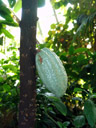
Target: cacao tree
(27, 109)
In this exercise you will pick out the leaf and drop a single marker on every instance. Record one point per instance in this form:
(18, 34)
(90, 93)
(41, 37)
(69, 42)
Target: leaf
(18, 5)
(6, 87)
(59, 124)
(41, 3)
(78, 50)
(85, 22)
(13, 91)
(12, 3)
(71, 50)
(93, 96)
(9, 23)
(79, 121)
(9, 66)
(53, 98)
(65, 124)
(80, 58)
(90, 112)
(1, 40)
(8, 34)
(61, 107)
(5, 12)
(1, 79)
(78, 89)
(53, 26)
(81, 26)
(81, 18)
(48, 122)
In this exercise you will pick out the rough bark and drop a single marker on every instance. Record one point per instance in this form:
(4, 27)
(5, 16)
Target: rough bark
(27, 105)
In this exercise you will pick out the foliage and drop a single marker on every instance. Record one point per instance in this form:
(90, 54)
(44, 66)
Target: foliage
(6, 19)
(80, 65)
(72, 46)
(18, 5)
(9, 86)
(9, 69)
(82, 15)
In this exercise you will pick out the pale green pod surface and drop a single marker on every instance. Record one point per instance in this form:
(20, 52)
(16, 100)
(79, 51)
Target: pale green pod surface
(51, 72)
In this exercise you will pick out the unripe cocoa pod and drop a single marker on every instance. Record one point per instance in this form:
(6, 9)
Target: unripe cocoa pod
(51, 72)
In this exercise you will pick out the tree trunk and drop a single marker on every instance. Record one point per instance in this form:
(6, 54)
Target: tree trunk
(27, 106)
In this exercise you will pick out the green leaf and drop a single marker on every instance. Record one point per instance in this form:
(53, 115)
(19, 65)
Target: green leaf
(1, 40)
(53, 98)
(6, 87)
(81, 27)
(9, 66)
(50, 33)
(53, 26)
(79, 50)
(59, 124)
(79, 121)
(93, 96)
(78, 89)
(1, 79)
(41, 3)
(61, 107)
(8, 34)
(81, 18)
(80, 57)
(90, 112)
(13, 91)
(18, 5)
(12, 3)
(85, 22)
(65, 124)
(5, 12)
(9, 23)
(71, 50)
